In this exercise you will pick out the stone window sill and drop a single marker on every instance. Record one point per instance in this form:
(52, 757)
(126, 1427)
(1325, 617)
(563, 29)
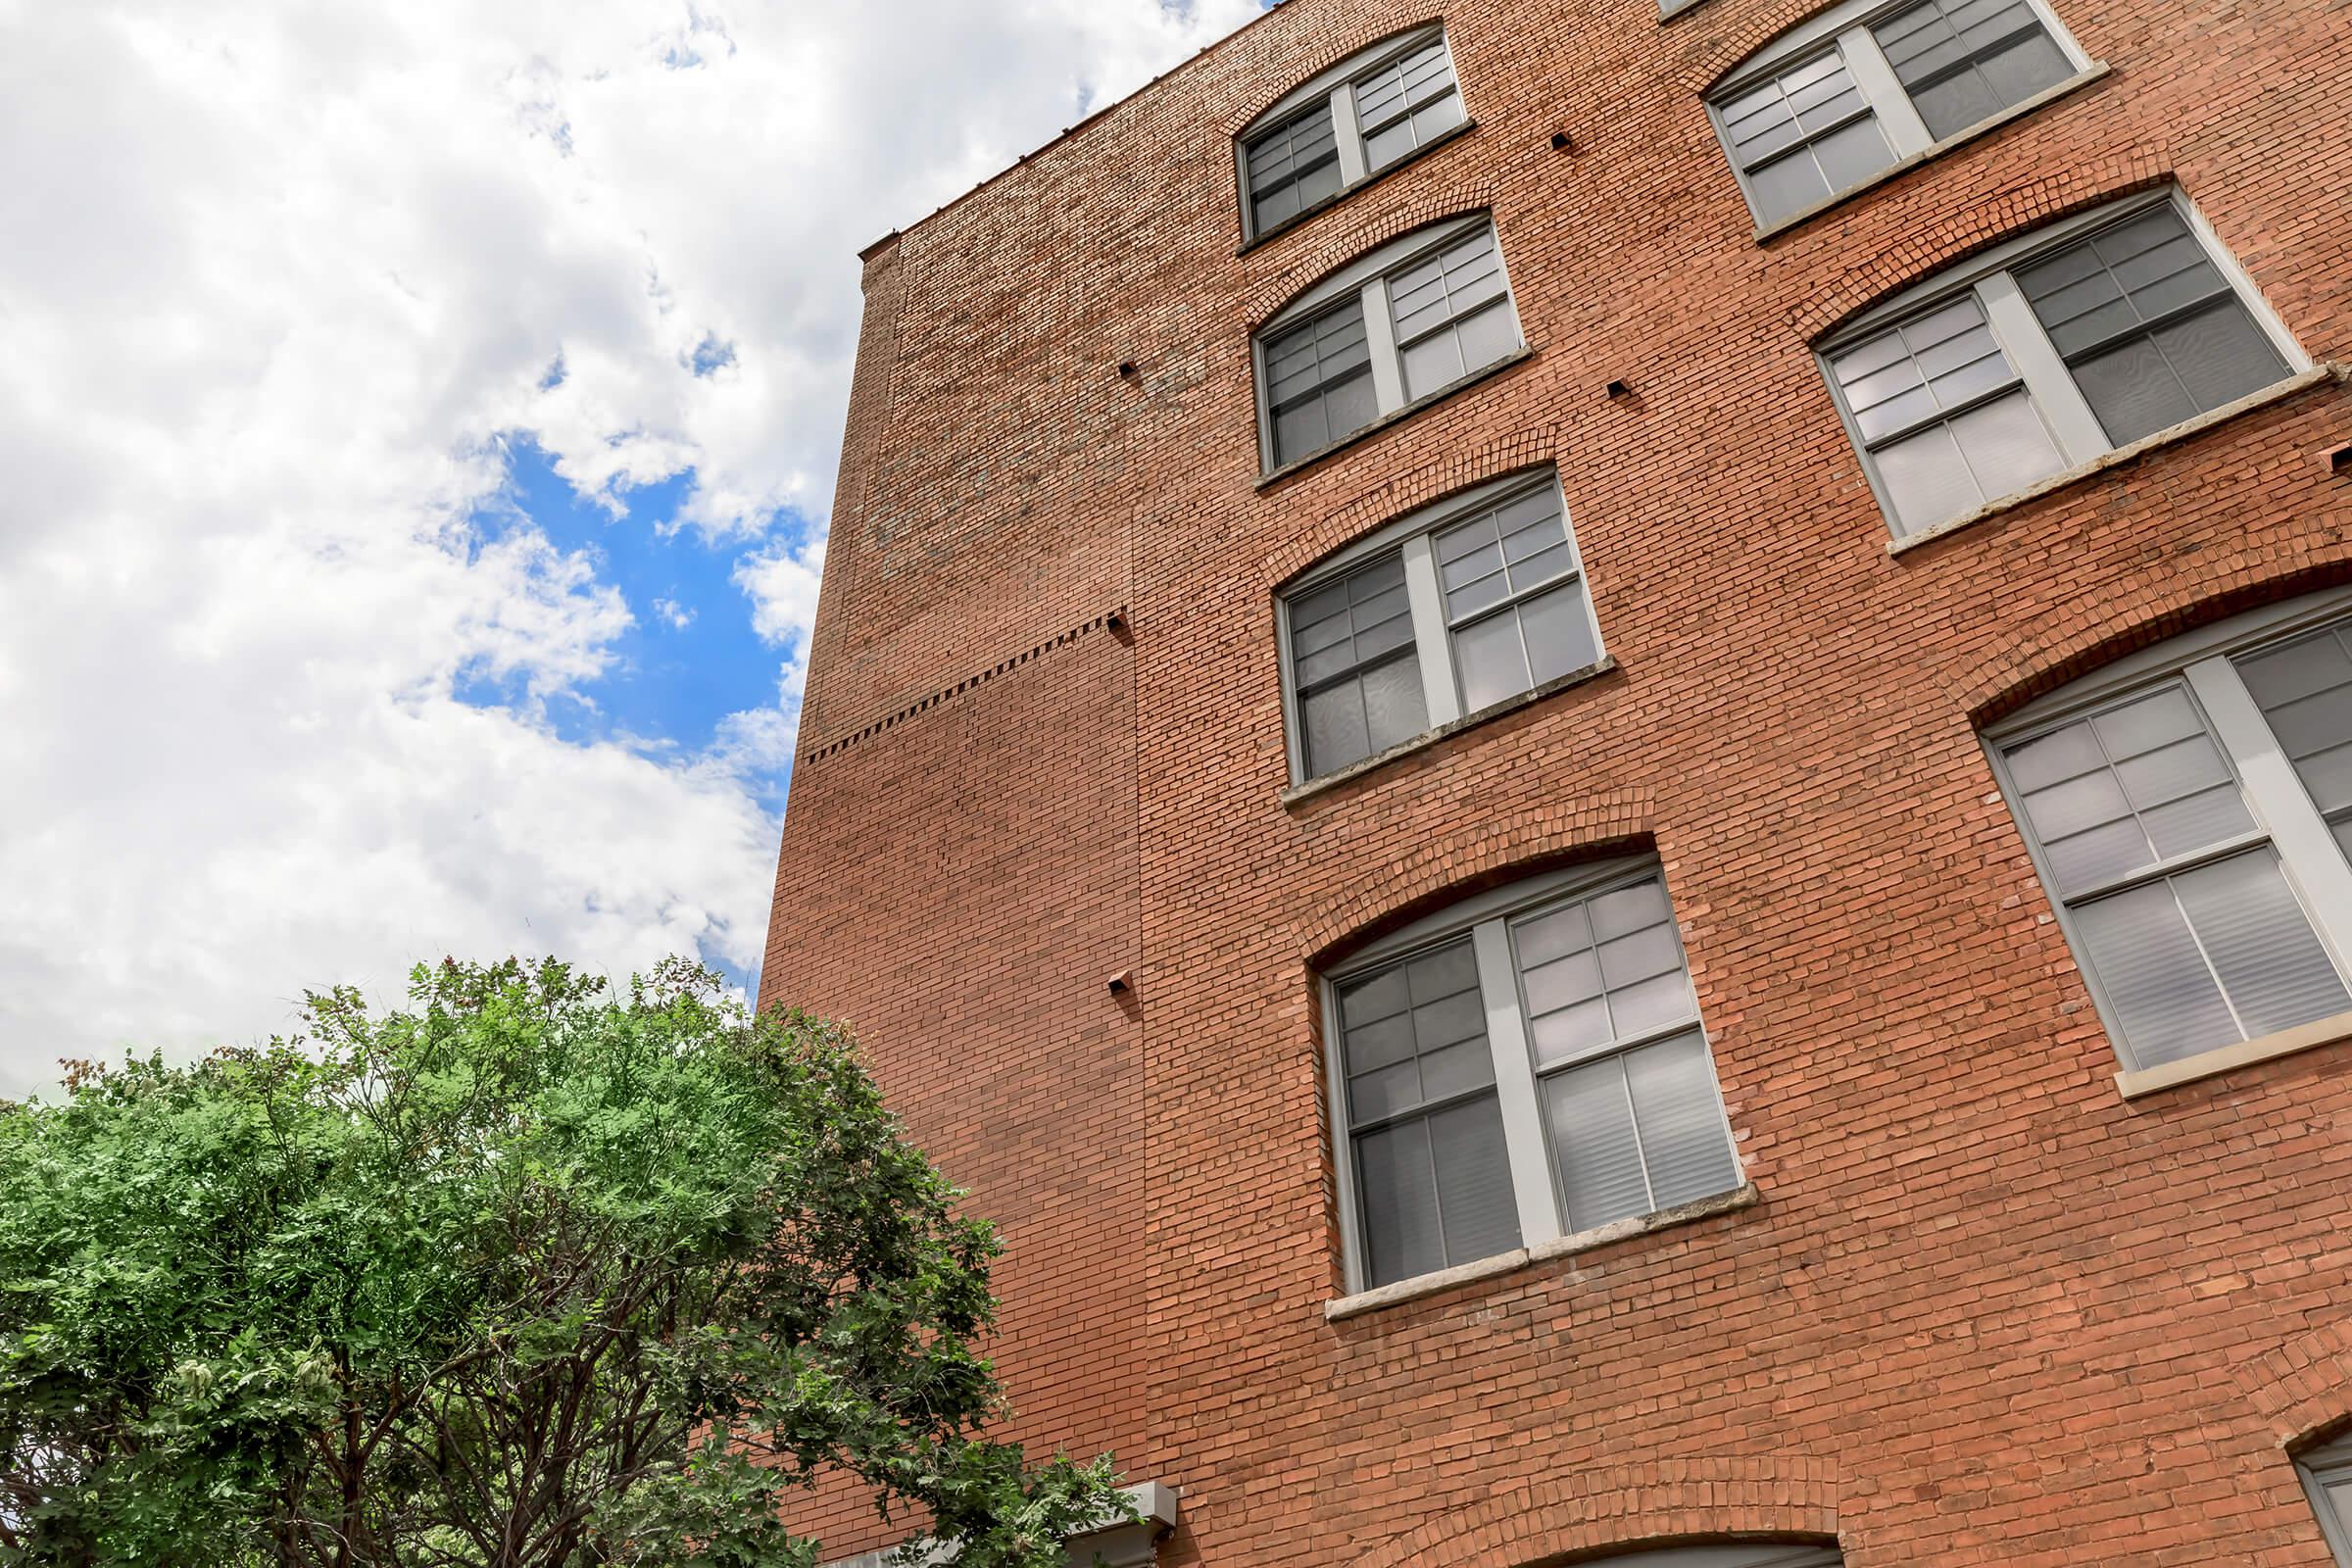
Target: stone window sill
(2278, 391)
(1519, 356)
(1304, 214)
(1966, 134)
(2133, 1083)
(1419, 1286)
(1326, 782)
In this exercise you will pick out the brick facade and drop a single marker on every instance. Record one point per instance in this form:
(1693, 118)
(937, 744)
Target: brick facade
(1985, 1309)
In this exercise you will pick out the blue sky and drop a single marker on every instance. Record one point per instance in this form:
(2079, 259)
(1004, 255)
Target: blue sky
(690, 657)
(421, 420)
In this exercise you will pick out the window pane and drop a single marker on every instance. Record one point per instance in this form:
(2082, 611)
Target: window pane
(2157, 983)
(1927, 480)
(1591, 1119)
(2140, 782)
(1319, 382)
(2304, 689)
(2271, 966)
(1493, 663)
(1559, 630)
(1962, 60)
(2133, 390)
(1397, 1192)
(1791, 185)
(1580, 995)
(1430, 1000)
(1336, 727)
(2220, 354)
(1293, 166)
(1432, 363)
(1480, 1215)
(1396, 708)
(1487, 336)
(2006, 445)
(1684, 1142)
(2118, 279)
(1402, 104)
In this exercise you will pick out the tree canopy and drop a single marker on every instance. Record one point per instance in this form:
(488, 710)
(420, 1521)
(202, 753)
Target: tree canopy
(530, 1274)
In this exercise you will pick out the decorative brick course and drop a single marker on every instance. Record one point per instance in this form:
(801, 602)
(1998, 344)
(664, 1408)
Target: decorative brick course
(1984, 1312)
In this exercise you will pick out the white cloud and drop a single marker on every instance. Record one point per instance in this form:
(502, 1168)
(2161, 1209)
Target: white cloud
(273, 279)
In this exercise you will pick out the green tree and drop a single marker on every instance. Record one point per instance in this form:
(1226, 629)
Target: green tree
(529, 1275)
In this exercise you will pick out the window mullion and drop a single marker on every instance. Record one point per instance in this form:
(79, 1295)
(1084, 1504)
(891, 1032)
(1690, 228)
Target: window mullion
(2080, 434)
(1348, 136)
(2314, 865)
(1906, 132)
(1379, 340)
(1430, 639)
(1515, 1085)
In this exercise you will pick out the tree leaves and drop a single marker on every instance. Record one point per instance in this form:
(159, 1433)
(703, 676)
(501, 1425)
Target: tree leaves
(523, 1274)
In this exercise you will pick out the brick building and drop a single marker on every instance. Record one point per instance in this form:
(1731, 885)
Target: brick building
(1596, 764)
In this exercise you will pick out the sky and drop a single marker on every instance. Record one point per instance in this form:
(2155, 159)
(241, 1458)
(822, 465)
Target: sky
(417, 425)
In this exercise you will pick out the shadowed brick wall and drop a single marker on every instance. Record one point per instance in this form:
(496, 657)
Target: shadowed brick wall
(1985, 1311)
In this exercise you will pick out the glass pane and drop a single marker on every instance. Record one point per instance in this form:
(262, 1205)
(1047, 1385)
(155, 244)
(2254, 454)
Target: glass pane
(1571, 1031)
(1337, 732)
(2155, 978)
(1559, 632)
(1789, 185)
(1380, 1041)
(1552, 936)
(1628, 909)
(1480, 1217)
(2271, 966)
(2149, 722)
(2060, 754)
(2101, 854)
(1649, 1005)
(1379, 1094)
(1493, 664)
(2197, 820)
(1639, 956)
(1685, 1144)
(2005, 443)
(1457, 1069)
(1396, 708)
(1955, 103)
(1397, 1193)
(1926, 479)
(1592, 1124)
(1852, 153)
(2220, 354)
(2304, 690)
(2171, 771)
(1434, 361)
(1487, 336)
(1562, 982)
(2133, 390)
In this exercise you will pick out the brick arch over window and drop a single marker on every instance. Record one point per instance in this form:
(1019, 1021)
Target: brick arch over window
(1310, 267)
(1236, 124)
(1925, 251)
(1384, 897)
(1709, 60)
(2303, 1388)
(1624, 1507)
(2113, 618)
(1431, 482)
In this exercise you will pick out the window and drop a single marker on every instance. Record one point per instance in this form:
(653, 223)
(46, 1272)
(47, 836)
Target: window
(2047, 352)
(2186, 811)
(2326, 1474)
(1443, 613)
(1527, 1066)
(1345, 126)
(1395, 327)
(1863, 85)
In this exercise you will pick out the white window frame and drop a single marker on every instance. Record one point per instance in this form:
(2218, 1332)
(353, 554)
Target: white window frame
(2317, 1468)
(1337, 85)
(1846, 30)
(1414, 535)
(1486, 917)
(2050, 389)
(1367, 277)
(2316, 870)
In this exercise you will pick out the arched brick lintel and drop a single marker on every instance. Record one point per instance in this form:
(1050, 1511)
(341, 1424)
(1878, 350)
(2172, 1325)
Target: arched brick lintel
(1393, 894)
(2096, 631)
(1456, 471)
(1623, 1508)
(2303, 1388)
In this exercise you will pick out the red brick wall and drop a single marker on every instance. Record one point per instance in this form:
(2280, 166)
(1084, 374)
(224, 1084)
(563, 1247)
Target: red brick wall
(1986, 1311)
